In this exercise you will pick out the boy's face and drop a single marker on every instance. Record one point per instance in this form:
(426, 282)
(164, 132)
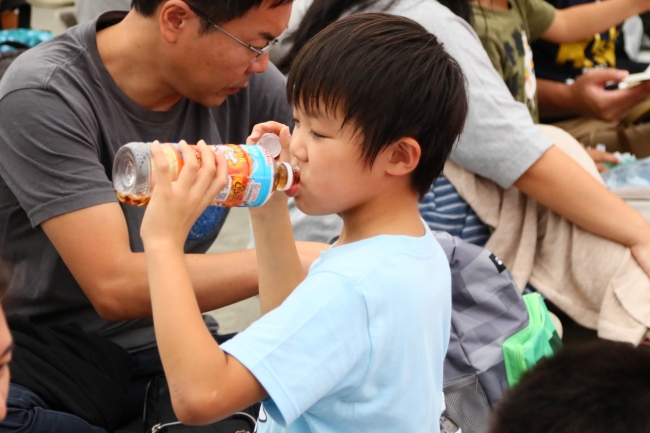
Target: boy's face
(333, 177)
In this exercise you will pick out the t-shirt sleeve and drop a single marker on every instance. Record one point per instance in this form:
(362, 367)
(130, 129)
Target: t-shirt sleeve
(494, 50)
(540, 15)
(500, 140)
(302, 351)
(48, 156)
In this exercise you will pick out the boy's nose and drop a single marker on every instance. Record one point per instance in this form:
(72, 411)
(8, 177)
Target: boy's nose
(297, 150)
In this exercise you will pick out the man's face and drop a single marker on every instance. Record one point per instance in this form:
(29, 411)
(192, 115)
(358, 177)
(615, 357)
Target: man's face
(209, 67)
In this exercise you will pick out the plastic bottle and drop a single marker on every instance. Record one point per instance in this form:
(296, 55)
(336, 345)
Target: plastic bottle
(635, 174)
(253, 174)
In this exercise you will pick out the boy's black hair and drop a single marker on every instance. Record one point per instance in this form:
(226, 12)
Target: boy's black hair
(390, 79)
(219, 11)
(602, 387)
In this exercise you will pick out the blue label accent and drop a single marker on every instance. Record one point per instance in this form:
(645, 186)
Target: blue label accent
(262, 174)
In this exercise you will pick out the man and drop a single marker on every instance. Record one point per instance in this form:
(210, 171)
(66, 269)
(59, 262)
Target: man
(167, 70)
(571, 81)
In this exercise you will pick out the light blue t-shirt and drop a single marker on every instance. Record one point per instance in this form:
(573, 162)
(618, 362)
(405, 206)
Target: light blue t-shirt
(359, 345)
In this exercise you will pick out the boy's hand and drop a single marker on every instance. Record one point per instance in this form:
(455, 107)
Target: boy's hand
(175, 206)
(277, 201)
(282, 131)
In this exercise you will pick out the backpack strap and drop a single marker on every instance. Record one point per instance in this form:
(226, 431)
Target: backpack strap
(15, 44)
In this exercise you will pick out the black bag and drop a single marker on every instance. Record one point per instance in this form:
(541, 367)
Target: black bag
(159, 415)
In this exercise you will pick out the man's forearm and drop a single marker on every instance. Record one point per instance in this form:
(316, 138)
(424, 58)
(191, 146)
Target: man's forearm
(218, 280)
(560, 184)
(555, 99)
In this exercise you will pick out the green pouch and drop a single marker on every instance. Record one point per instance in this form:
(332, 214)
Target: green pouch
(538, 340)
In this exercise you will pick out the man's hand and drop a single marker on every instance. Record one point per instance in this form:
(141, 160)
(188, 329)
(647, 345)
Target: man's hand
(600, 156)
(592, 100)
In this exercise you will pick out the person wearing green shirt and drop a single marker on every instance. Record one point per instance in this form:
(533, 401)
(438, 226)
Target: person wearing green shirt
(505, 29)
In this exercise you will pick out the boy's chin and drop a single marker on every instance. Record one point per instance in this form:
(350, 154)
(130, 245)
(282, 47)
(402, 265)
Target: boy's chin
(310, 210)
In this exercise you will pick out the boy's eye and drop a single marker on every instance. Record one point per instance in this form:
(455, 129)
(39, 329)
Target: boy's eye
(316, 134)
(296, 121)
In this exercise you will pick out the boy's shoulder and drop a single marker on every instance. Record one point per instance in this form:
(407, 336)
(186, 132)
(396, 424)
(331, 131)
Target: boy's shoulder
(378, 258)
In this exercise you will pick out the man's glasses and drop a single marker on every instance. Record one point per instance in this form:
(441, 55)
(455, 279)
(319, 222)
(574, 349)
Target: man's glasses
(258, 51)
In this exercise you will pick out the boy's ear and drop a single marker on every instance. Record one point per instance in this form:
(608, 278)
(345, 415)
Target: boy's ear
(402, 156)
(173, 19)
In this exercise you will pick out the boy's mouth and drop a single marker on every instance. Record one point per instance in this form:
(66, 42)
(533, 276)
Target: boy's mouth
(291, 192)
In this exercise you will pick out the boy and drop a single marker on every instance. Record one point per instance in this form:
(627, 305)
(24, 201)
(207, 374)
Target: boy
(358, 344)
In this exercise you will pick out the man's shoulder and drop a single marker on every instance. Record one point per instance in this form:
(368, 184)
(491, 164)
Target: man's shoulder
(36, 67)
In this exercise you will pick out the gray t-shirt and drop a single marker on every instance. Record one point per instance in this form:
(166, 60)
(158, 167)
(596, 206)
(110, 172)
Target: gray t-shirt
(64, 118)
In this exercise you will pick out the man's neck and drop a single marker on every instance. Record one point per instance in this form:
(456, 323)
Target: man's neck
(386, 215)
(128, 51)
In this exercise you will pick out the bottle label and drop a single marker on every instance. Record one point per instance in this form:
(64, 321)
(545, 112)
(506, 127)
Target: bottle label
(250, 176)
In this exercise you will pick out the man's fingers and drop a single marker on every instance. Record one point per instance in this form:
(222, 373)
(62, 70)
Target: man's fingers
(621, 102)
(602, 76)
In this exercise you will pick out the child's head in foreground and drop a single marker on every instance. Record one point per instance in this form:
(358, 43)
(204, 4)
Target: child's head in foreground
(602, 387)
(378, 106)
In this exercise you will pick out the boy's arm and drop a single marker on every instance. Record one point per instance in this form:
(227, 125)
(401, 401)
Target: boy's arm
(205, 384)
(278, 264)
(588, 97)
(580, 22)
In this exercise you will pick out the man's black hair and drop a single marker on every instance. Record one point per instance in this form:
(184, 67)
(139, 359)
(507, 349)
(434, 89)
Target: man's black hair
(602, 387)
(219, 11)
(389, 78)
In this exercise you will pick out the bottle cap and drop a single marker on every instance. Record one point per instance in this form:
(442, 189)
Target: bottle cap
(271, 143)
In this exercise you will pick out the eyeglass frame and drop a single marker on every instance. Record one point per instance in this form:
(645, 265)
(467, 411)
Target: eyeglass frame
(259, 52)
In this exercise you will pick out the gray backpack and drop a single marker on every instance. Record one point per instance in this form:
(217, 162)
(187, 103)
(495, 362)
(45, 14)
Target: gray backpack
(487, 308)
